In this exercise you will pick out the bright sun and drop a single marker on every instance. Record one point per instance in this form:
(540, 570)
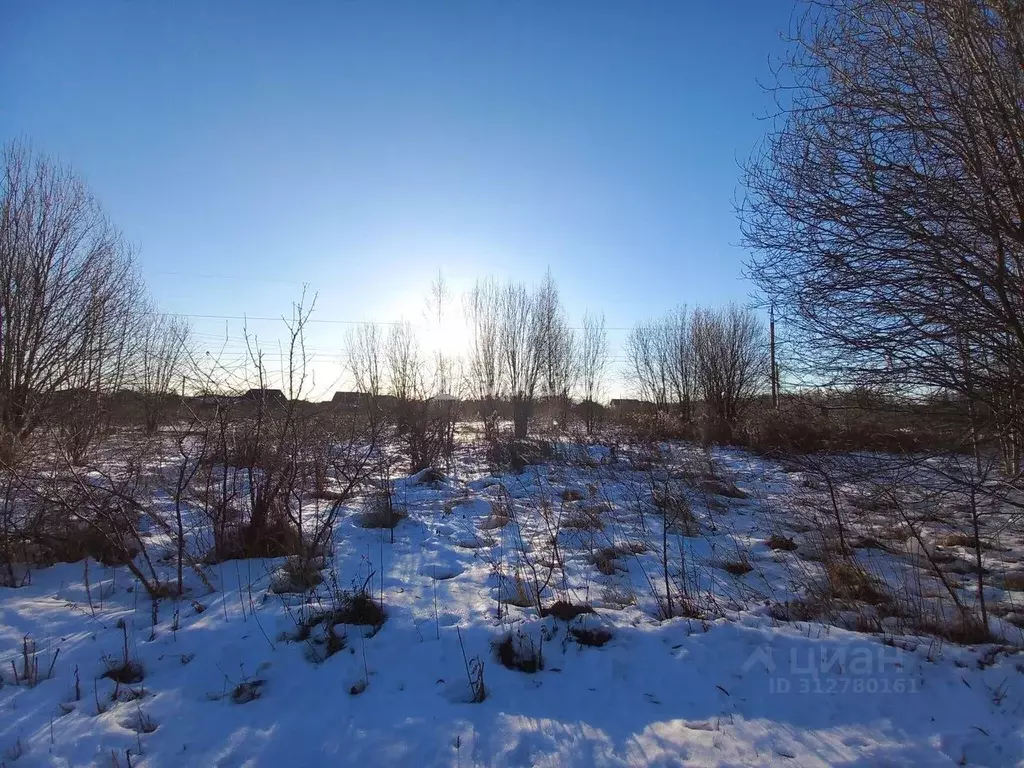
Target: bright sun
(449, 337)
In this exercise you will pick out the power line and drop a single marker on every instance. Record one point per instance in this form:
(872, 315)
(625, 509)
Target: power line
(321, 320)
(273, 319)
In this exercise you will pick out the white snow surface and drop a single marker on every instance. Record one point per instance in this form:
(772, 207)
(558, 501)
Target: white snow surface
(737, 688)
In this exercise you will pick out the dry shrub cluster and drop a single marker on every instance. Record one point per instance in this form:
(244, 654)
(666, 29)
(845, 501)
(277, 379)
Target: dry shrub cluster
(263, 475)
(517, 650)
(852, 421)
(504, 453)
(380, 512)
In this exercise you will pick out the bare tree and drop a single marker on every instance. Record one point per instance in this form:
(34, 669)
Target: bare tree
(366, 350)
(66, 281)
(448, 396)
(438, 299)
(593, 358)
(404, 368)
(679, 356)
(161, 365)
(522, 351)
(884, 213)
(648, 362)
(425, 409)
(730, 356)
(82, 409)
(482, 308)
(558, 353)
(447, 379)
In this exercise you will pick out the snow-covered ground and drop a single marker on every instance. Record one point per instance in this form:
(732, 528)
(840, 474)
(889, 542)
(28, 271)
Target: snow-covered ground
(248, 674)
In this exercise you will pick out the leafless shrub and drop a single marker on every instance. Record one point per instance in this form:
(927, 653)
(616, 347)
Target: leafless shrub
(31, 671)
(521, 343)
(428, 435)
(738, 567)
(297, 575)
(566, 611)
(381, 512)
(656, 360)
(126, 670)
(718, 355)
(365, 345)
(247, 690)
(358, 608)
(594, 637)
(606, 560)
(518, 454)
(72, 512)
(519, 592)
(516, 650)
(778, 542)
(848, 581)
(161, 366)
(582, 518)
(269, 461)
(474, 673)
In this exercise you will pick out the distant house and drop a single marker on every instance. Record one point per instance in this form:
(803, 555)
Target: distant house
(444, 397)
(349, 400)
(265, 396)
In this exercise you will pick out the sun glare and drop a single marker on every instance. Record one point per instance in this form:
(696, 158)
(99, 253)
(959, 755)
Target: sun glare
(449, 337)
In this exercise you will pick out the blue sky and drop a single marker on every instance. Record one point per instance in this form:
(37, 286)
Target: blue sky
(361, 145)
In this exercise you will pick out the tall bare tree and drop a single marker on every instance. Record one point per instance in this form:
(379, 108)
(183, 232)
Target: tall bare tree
(367, 364)
(593, 358)
(677, 338)
(522, 351)
(482, 308)
(884, 213)
(648, 362)
(438, 299)
(162, 359)
(730, 364)
(557, 340)
(404, 369)
(66, 281)
(402, 359)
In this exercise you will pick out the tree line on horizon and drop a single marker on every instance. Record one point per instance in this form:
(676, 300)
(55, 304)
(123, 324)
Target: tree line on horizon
(77, 324)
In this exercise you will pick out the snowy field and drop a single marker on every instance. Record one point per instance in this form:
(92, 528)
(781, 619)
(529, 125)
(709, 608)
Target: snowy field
(686, 624)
